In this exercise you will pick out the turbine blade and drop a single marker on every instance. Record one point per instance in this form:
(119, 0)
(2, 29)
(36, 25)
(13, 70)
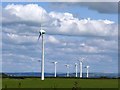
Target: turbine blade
(39, 36)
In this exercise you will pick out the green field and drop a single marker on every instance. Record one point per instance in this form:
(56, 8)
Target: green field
(59, 83)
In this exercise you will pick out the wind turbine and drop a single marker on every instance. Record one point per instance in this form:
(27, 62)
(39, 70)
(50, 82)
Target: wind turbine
(87, 67)
(41, 34)
(81, 61)
(76, 69)
(67, 66)
(55, 68)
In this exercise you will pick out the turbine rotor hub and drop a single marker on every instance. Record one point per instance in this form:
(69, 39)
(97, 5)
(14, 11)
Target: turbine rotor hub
(42, 31)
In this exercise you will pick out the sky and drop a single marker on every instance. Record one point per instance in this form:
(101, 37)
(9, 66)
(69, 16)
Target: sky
(73, 31)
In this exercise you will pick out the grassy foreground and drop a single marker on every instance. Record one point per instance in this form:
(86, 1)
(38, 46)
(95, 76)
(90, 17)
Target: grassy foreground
(59, 83)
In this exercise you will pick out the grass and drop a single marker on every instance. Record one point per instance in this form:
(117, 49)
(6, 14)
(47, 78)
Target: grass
(0, 82)
(59, 83)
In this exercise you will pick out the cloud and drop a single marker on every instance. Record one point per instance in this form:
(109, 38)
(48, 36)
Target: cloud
(18, 13)
(59, 23)
(102, 7)
(21, 39)
(67, 38)
(53, 40)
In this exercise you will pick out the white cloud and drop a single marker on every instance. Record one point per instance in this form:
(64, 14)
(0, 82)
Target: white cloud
(61, 23)
(61, 16)
(73, 26)
(30, 12)
(104, 44)
(21, 39)
(25, 19)
(53, 40)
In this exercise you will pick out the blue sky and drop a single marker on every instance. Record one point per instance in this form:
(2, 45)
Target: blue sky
(79, 30)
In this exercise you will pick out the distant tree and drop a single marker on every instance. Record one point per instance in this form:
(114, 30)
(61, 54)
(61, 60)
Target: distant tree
(103, 77)
(4, 75)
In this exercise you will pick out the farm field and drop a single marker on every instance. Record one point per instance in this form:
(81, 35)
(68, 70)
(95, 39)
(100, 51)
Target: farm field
(59, 83)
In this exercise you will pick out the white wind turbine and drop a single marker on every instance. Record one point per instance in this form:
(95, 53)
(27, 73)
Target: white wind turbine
(75, 69)
(87, 67)
(67, 66)
(41, 33)
(55, 68)
(81, 62)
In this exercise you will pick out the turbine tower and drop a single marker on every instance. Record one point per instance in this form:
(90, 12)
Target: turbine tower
(67, 66)
(76, 69)
(41, 33)
(87, 67)
(81, 62)
(55, 68)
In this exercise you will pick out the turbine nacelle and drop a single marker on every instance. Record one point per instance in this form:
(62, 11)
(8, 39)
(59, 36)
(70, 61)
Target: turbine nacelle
(42, 31)
(67, 65)
(76, 64)
(55, 62)
(87, 67)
